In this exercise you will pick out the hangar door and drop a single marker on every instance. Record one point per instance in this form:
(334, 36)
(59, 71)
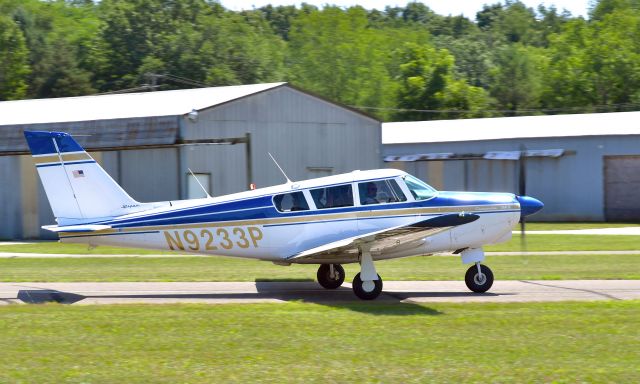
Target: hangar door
(622, 188)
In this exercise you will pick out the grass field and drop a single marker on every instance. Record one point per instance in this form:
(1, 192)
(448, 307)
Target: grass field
(416, 268)
(314, 343)
(533, 243)
(536, 243)
(569, 226)
(76, 249)
(230, 269)
(306, 343)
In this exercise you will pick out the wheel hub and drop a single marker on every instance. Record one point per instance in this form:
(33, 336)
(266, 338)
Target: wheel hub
(368, 286)
(480, 278)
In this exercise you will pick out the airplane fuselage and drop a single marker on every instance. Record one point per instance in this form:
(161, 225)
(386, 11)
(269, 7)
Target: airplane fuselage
(252, 226)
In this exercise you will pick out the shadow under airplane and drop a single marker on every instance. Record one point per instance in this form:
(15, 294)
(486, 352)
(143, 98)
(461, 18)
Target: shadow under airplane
(397, 303)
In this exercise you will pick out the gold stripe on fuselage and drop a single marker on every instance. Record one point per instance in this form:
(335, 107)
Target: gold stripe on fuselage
(66, 157)
(305, 219)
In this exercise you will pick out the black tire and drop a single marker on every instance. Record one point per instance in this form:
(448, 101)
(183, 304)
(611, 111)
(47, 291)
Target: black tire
(364, 295)
(473, 282)
(324, 276)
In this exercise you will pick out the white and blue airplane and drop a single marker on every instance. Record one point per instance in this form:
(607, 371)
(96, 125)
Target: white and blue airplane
(358, 217)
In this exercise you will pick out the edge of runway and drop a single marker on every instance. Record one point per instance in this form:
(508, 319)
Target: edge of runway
(503, 291)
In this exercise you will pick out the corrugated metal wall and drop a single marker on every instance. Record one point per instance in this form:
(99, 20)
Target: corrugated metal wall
(10, 197)
(308, 136)
(100, 133)
(302, 132)
(571, 187)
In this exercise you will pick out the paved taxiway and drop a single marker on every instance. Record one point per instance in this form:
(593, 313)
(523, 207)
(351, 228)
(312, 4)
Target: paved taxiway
(246, 292)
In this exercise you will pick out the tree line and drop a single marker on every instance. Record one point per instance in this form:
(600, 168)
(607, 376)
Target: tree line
(400, 63)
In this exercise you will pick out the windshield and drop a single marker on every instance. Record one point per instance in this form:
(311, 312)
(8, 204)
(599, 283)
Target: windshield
(419, 189)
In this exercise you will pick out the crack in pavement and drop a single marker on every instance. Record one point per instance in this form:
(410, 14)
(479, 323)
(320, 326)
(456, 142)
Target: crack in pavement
(605, 295)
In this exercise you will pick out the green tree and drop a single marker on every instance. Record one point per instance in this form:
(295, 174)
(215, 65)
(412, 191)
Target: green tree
(191, 39)
(595, 66)
(58, 36)
(428, 83)
(280, 18)
(601, 8)
(473, 58)
(335, 53)
(14, 66)
(550, 22)
(516, 78)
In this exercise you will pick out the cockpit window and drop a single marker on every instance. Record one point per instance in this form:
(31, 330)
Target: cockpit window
(418, 188)
(290, 202)
(380, 192)
(333, 197)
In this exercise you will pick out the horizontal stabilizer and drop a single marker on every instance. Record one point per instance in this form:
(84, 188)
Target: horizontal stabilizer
(76, 228)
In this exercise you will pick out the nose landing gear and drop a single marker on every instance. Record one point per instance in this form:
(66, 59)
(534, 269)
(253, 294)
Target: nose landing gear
(479, 278)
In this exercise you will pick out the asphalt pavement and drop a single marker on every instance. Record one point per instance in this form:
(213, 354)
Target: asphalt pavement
(278, 292)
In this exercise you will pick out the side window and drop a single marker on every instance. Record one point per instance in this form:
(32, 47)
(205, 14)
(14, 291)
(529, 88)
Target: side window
(290, 202)
(333, 197)
(380, 192)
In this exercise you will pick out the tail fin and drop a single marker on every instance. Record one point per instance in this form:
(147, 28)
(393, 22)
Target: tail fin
(78, 189)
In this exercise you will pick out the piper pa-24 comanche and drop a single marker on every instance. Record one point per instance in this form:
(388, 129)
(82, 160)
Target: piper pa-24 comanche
(358, 217)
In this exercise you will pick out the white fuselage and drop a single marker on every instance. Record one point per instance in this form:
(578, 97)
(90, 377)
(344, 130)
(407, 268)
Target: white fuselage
(251, 227)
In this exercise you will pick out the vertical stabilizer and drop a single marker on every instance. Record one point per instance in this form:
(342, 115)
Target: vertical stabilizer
(77, 187)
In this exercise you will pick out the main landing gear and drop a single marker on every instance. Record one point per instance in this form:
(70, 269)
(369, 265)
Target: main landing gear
(367, 290)
(367, 284)
(331, 276)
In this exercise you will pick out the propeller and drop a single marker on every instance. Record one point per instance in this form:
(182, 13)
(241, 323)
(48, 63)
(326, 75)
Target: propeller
(522, 191)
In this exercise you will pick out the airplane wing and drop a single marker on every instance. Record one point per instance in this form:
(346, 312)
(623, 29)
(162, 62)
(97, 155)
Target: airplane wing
(388, 238)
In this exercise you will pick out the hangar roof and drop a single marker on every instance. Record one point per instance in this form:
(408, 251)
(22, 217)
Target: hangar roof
(120, 106)
(440, 131)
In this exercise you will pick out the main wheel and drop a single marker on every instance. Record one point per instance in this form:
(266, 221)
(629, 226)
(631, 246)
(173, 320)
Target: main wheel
(476, 282)
(326, 280)
(369, 290)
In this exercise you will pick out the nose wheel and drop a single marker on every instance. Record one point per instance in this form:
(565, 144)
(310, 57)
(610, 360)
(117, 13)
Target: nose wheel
(330, 276)
(479, 278)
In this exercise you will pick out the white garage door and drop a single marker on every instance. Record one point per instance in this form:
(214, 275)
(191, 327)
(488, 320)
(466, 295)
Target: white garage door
(622, 188)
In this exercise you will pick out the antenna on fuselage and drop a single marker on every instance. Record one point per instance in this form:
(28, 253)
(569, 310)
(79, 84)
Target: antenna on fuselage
(198, 181)
(280, 168)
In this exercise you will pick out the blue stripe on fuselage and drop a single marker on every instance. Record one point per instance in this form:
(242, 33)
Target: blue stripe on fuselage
(262, 208)
(456, 199)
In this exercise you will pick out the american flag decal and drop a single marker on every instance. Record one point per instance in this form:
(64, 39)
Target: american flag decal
(78, 173)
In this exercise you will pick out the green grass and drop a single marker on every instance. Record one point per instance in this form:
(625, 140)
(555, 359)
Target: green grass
(569, 226)
(537, 243)
(77, 249)
(534, 243)
(312, 343)
(230, 269)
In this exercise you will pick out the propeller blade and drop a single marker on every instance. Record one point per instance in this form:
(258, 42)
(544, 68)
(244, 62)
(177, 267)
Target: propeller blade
(523, 239)
(522, 191)
(522, 175)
